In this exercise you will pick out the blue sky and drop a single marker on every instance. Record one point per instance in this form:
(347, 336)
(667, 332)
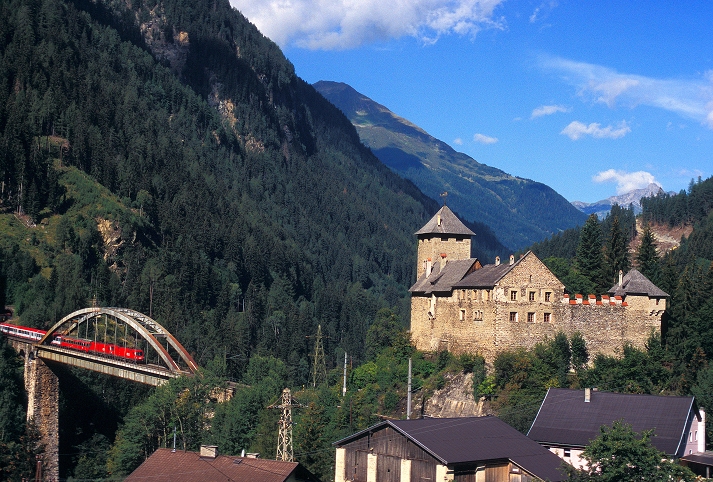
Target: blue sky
(591, 98)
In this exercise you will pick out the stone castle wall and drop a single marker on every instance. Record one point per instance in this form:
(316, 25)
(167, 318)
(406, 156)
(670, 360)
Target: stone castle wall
(432, 248)
(478, 325)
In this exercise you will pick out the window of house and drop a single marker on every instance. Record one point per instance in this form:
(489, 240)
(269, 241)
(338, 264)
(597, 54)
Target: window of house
(462, 315)
(547, 295)
(567, 453)
(513, 295)
(530, 317)
(531, 296)
(513, 316)
(547, 317)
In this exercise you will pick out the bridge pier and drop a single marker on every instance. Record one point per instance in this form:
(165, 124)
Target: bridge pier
(42, 386)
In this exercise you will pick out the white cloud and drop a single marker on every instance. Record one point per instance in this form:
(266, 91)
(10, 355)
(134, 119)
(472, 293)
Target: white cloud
(483, 139)
(575, 130)
(548, 110)
(345, 24)
(458, 141)
(690, 98)
(626, 181)
(542, 11)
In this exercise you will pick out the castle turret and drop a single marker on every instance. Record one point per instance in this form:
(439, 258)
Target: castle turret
(444, 238)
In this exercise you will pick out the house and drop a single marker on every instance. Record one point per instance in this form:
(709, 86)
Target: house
(569, 419)
(466, 449)
(166, 465)
(464, 305)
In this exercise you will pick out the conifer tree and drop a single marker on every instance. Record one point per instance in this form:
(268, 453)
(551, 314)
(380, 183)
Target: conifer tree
(646, 256)
(590, 259)
(617, 252)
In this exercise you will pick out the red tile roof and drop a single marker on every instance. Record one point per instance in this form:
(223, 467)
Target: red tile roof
(164, 465)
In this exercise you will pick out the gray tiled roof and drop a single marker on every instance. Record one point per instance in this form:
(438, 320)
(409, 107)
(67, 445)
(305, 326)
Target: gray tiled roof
(450, 224)
(635, 283)
(474, 439)
(442, 280)
(485, 277)
(565, 419)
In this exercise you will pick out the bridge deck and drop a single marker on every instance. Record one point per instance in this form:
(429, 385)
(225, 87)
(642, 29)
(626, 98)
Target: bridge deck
(141, 373)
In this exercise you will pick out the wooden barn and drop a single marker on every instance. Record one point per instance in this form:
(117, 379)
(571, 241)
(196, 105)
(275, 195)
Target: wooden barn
(467, 449)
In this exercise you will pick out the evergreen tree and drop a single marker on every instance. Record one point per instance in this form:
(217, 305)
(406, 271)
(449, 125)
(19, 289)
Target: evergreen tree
(590, 258)
(617, 252)
(646, 256)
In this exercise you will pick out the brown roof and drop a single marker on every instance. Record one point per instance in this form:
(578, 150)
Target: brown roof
(565, 419)
(635, 283)
(450, 224)
(442, 280)
(473, 439)
(164, 465)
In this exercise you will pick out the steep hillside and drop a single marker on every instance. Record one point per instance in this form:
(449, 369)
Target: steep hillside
(257, 211)
(519, 211)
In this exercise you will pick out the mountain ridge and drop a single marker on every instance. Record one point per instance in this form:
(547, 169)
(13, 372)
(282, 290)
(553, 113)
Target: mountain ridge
(602, 207)
(520, 211)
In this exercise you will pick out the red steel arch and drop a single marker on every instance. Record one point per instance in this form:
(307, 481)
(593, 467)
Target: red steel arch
(148, 328)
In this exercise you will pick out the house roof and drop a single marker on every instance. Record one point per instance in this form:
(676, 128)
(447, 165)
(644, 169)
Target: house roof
(164, 465)
(443, 279)
(478, 439)
(487, 276)
(445, 222)
(565, 419)
(635, 283)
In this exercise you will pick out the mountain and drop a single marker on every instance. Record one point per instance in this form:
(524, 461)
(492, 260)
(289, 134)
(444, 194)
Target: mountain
(631, 198)
(519, 211)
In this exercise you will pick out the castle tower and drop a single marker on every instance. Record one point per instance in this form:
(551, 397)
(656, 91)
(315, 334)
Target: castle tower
(444, 238)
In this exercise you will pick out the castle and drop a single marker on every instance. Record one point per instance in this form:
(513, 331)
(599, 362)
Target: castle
(464, 306)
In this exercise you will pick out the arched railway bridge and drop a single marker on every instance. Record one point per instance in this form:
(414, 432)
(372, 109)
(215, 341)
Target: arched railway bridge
(119, 342)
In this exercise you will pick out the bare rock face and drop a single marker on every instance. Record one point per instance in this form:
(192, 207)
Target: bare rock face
(456, 400)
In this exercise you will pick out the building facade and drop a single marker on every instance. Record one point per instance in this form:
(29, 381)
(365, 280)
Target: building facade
(464, 306)
(465, 449)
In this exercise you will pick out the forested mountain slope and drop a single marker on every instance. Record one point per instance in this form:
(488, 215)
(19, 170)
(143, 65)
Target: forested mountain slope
(249, 211)
(519, 211)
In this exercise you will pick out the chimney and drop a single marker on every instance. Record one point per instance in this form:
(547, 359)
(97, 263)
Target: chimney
(512, 259)
(587, 395)
(621, 275)
(439, 219)
(209, 451)
(497, 261)
(443, 259)
(429, 267)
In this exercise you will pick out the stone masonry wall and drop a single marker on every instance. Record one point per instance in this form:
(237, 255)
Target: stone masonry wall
(454, 248)
(42, 387)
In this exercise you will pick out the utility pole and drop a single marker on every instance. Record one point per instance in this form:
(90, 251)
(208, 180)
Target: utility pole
(284, 438)
(319, 367)
(344, 387)
(408, 397)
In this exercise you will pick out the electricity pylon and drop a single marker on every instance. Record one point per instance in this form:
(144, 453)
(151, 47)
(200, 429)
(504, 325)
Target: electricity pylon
(284, 438)
(319, 366)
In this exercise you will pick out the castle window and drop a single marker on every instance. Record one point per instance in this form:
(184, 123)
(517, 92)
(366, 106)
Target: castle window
(547, 295)
(462, 315)
(487, 295)
(547, 317)
(531, 296)
(530, 317)
(513, 316)
(462, 294)
(477, 315)
(513, 295)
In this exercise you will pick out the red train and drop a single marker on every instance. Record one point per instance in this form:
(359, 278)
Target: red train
(79, 344)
